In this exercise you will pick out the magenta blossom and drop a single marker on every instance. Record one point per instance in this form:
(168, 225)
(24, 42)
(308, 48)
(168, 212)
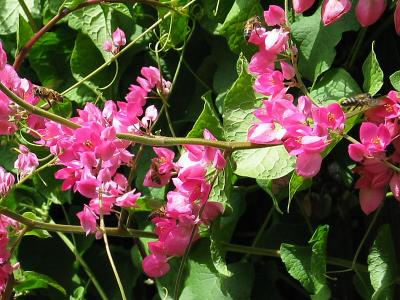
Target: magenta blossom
(26, 162)
(275, 15)
(369, 11)
(118, 37)
(155, 265)
(6, 181)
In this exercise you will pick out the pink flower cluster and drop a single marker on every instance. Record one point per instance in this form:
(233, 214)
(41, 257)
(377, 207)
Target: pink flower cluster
(181, 213)
(118, 40)
(5, 267)
(92, 154)
(367, 11)
(304, 129)
(10, 113)
(378, 168)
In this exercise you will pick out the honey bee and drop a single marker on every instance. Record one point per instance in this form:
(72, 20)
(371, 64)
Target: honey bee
(47, 94)
(360, 100)
(254, 23)
(155, 173)
(158, 213)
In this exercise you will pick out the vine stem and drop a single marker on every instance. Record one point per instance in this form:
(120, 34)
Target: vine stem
(126, 48)
(140, 139)
(112, 231)
(63, 13)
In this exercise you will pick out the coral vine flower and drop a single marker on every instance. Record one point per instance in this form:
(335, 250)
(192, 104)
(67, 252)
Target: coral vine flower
(26, 162)
(118, 37)
(155, 265)
(6, 181)
(275, 15)
(88, 219)
(369, 11)
(333, 10)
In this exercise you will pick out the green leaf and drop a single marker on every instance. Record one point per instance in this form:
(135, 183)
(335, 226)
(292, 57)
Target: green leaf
(79, 294)
(395, 80)
(382, 265)
(8, 155)
(10, 11)
(208, 119)
(24, 33)
(63, 109)
(308, 264)
(334, 85)
(239, 106)
(316, 43)
(373, 74)
(98, 22)
(30, 280)
(233, 25)
(297, 183)
(43, 234)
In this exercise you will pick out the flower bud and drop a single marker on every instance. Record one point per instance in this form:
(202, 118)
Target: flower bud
(369, 11)
(301, 6)
(333, 10)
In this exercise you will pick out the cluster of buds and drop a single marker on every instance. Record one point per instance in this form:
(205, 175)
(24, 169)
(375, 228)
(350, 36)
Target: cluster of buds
(367, 11)
(187, 206)
(305, 130)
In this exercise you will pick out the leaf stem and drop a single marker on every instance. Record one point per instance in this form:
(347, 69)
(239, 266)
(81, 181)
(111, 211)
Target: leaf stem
(145, 140)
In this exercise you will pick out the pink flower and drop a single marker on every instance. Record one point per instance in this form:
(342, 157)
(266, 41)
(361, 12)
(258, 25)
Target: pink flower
(374, 138)
(395, 185)
(333, 10)
(397, 18)
(331, 116)
(155, 265)
(275, 15)
(269, 83)
(161, 169)
(308, 164)
(88, 187)
(6, 181)
(266, 133)
(128, 199)
(3, 57)
(287, 70)
(26, 162)
(369, 11)
(119, 37)
(88, 219)
(370, 199)
(301, 6)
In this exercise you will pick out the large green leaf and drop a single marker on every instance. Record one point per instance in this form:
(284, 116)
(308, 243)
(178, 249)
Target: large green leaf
(316, 43)
(99, 22)
(10, 11)
(334, 85)
(308, 264)
(382, 265)
(240, 103)
(232, 28)
(203, 282)
(373, 74)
